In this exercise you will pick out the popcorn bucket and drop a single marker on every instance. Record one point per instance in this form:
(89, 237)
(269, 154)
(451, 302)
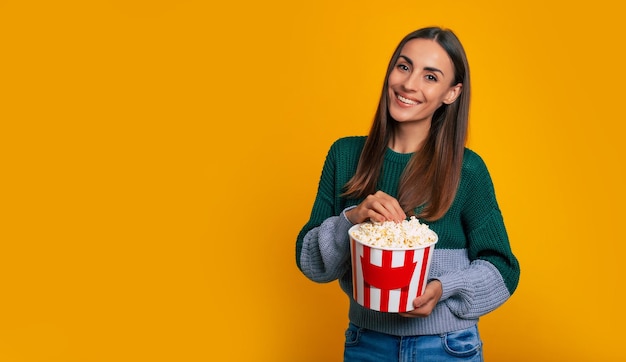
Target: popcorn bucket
(388, 279)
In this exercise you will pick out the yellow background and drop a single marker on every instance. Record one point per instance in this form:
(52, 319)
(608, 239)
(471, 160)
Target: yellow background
(159, 157)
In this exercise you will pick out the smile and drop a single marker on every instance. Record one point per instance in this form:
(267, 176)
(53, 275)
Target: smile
(406, 100)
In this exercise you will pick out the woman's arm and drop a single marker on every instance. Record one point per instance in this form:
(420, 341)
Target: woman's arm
(493, 273)
(326, 250)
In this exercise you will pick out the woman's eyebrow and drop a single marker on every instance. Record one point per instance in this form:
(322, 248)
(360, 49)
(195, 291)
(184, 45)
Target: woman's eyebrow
(431, 69)
(408, 60)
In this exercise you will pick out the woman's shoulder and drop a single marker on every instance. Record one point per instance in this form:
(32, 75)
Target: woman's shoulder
(350, 141)
(472, 160)
(473, 164)
(349, 144)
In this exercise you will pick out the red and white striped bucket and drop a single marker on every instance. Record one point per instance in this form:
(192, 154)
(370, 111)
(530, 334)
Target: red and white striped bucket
(388, 279)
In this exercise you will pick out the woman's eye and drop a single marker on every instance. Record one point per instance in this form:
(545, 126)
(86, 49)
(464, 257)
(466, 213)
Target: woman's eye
(403, 67)
(431, 77)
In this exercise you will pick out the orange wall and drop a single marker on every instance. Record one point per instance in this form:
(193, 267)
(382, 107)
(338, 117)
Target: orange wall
(159, 158)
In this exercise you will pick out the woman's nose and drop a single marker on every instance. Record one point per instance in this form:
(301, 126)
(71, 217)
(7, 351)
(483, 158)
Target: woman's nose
(411, 83)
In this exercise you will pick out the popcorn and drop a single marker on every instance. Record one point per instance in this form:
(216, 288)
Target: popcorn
(389, 234)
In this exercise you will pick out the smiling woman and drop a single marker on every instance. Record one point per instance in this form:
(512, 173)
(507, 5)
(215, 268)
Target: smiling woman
(414, 163)
(422, 80)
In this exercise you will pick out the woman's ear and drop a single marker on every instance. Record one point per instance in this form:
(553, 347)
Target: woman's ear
(453, 93)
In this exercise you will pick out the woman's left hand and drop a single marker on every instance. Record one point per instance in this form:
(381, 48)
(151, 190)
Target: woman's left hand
(425, 303)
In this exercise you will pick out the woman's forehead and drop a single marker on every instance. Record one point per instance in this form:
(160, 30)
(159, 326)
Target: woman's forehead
(426, 52)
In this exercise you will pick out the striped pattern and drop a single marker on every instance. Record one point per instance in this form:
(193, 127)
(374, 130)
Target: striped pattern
(388, 280)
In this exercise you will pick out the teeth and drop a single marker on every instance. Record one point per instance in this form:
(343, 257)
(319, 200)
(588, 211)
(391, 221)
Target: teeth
(406, 100)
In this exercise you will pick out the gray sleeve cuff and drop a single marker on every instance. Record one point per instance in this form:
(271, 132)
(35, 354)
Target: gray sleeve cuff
(344, 214)
(475, 291)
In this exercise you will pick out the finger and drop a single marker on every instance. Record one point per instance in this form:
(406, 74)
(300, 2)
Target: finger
(376, 209)
(413, 314)
(410, 314)
(376, 216)
(397, 212)
(385, 210)
(417, 303)
(389, 207)
(421, 301)
(394, 208)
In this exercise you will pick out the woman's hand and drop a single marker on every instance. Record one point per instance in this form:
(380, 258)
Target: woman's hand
(425, 303)
(376, 207)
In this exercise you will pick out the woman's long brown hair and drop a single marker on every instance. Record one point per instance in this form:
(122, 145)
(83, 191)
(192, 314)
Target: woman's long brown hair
(432, 176)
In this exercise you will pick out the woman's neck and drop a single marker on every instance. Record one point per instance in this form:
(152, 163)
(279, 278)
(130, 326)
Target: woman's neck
(409, 137)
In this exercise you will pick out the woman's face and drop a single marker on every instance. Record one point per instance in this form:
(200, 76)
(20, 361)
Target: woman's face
(420, 82)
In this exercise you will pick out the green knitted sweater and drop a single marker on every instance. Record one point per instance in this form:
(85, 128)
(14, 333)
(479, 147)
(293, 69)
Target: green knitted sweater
(473, 259)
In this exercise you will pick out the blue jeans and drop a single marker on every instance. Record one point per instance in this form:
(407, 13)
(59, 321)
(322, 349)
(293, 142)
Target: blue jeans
(363, 345)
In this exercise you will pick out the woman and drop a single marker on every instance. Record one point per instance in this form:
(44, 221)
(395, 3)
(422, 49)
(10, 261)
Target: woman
(414, 162)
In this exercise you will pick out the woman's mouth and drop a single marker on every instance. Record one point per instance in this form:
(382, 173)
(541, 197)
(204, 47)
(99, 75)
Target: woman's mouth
(406, 100)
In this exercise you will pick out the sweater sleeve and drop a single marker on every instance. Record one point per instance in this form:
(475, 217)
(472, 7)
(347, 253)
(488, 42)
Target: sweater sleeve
(493, 272)
(322, 246)
(326, 250)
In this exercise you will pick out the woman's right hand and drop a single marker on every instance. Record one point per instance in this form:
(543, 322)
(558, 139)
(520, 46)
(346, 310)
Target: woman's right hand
(377, 207)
